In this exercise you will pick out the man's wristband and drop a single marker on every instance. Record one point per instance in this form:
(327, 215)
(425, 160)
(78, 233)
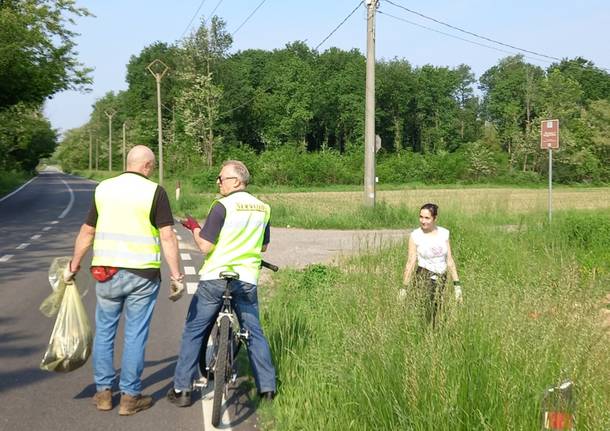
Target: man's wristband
(457, 283)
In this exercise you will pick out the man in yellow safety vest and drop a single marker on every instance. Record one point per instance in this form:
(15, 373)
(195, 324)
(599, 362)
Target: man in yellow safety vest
(235, 233)
(128, 223)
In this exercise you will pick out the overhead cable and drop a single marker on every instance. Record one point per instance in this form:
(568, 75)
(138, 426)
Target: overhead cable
(337, 27)
(458, 37)
(193, 18)
(215, 7)
(472, 33)
(248, 18)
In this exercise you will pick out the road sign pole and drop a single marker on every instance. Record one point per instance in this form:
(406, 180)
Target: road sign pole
(550, 185)
(549, 140)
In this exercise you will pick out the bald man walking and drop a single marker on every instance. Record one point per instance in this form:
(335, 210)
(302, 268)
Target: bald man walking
(129, 222)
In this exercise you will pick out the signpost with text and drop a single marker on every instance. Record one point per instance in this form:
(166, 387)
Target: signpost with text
(549, 140)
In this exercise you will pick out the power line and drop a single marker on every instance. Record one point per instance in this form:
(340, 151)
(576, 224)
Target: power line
(244, 103)
(458, 37)
(248, 18)
(193, 18)
(471, 33)
(340, 24)
(215, 7)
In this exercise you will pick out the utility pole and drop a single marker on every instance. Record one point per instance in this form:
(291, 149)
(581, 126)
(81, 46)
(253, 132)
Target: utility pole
(90, 150)
(157, 68)
(110, 113)
(124, 162)
(369, 120)
(97, 154)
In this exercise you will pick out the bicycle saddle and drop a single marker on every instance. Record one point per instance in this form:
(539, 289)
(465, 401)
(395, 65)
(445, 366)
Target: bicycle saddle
(229, 275)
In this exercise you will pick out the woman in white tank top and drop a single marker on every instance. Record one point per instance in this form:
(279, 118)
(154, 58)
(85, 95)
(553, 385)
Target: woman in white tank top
(429, 259)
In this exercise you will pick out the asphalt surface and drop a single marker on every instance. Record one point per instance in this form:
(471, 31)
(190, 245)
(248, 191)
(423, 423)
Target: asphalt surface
(37, 224)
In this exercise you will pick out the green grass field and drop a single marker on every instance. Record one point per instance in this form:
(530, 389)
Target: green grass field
(350, 355)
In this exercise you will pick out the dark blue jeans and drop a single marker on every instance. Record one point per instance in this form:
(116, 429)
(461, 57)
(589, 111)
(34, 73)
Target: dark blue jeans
(204, 308)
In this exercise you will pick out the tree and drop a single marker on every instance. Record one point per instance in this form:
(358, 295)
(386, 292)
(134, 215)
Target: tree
(199, 97)
(25, 137)
(37, 50)
(509, 100)
(595, 82)
(394, 93)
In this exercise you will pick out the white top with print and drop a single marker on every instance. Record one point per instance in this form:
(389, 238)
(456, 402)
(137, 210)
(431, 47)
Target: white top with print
(432, 249)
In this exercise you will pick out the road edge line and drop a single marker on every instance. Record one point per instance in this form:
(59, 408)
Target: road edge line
(15, 191)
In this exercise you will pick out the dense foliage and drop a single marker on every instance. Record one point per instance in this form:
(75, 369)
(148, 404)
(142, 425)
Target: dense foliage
(37, 60)
(298, 115)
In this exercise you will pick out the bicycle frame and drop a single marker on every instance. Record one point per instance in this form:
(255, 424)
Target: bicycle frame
(226, 345)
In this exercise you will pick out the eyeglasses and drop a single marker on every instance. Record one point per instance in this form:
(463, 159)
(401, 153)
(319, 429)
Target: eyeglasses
(221, 179)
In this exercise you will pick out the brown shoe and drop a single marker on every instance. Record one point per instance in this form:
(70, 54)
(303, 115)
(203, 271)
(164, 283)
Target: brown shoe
(132, 405)
(103, 400)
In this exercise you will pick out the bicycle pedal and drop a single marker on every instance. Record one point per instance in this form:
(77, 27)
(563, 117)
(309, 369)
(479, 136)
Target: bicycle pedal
(201, 383)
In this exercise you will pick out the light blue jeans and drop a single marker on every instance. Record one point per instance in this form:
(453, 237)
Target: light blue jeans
(205, 305)
(137, 296)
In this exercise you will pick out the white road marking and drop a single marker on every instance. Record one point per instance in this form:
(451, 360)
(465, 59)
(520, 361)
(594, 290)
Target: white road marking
(190, 270)
(22, 245)
(207, 401)
(191, 287)
(6, 257)
(35, 237)
(15, 191)
(46, 228)
(54, 222)
(185, 256)
(69, 207)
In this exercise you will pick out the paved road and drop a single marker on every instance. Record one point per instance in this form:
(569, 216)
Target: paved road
(37, 224)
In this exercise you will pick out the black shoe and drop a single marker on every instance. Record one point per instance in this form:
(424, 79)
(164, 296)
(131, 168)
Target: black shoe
(267, 396)
(180, 399)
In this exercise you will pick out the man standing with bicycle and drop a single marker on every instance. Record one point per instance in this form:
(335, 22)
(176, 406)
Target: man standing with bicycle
(235, 233)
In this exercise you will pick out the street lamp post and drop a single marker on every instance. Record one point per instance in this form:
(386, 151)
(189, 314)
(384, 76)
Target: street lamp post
(157, 69)
(110, 113)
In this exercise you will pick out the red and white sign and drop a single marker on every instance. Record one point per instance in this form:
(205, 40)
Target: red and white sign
(549, 134)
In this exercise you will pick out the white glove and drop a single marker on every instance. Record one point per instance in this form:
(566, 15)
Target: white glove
(457, 291)
(176, 288)
(68, 275)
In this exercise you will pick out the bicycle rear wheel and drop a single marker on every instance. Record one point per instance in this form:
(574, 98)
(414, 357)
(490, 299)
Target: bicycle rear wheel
(220, 369)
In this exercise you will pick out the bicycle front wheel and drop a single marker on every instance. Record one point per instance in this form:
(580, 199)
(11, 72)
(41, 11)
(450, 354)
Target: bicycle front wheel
(220, 369)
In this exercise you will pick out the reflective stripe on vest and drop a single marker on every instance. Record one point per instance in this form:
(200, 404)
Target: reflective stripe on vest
(240, 241)
(124, 236)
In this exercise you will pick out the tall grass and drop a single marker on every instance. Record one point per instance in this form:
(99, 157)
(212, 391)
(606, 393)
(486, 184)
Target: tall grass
(350, 355)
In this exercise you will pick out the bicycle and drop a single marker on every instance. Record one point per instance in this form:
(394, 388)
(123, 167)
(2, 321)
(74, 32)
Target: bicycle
(227, 341)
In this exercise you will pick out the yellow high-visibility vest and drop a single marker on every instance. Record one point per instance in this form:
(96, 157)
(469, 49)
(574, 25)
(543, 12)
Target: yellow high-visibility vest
(124, 235)
(241, 238)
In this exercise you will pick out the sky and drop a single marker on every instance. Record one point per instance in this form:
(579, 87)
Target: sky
(123, 28)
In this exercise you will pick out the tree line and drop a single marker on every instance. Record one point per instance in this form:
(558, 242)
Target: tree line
(436, 123)
(37, 60)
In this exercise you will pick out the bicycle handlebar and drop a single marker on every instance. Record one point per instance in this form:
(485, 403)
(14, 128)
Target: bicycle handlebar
(270, 266)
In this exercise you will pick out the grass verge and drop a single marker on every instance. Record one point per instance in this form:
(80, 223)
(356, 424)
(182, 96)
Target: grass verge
(351, 356)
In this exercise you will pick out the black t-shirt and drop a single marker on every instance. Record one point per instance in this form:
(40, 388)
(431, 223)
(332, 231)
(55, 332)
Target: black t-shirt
(160, 216)
(215, 221)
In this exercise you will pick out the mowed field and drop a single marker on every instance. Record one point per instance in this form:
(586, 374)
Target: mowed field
(512, 200)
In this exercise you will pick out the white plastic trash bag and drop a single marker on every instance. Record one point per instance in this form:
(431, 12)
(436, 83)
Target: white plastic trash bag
(71, 340)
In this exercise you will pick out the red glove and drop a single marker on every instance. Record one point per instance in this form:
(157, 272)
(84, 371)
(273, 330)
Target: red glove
(190, 223)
